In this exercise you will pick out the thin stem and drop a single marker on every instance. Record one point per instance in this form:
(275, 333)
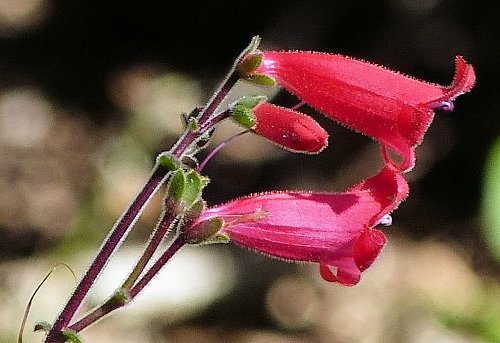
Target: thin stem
(122, 226)
(157, 266)
(214, 120)
(154, 241)
(220, 146)
(112, 304)
(95, 315)
(113, 241)
(205, 115)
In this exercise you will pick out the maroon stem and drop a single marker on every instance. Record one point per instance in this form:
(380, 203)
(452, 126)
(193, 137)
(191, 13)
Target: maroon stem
(155, 240)
(110, 245)
(157, 266)
(112, 305)
(205, 116)
(121, 228)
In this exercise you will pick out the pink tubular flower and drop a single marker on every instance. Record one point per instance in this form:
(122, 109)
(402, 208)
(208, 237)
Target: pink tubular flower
(332, 229)
(390, 107)
(289, 129)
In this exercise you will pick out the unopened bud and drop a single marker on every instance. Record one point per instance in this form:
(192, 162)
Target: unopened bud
(289, 129)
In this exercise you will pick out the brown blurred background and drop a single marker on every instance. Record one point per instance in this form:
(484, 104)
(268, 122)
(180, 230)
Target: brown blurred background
(91, 91)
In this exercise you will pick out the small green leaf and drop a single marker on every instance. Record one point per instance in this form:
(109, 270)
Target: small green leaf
(261, 80)
(42, 326)
(168, 161)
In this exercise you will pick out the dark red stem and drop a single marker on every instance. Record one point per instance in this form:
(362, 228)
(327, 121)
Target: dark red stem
(110, 245)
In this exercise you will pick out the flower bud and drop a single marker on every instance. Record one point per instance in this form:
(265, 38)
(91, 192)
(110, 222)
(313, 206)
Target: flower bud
(289, 129)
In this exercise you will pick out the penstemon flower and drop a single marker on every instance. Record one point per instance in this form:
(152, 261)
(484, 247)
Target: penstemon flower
(390, 107)
(335, 230)
(332, 229)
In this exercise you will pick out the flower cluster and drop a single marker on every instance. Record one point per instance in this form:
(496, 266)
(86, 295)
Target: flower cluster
(335, 230)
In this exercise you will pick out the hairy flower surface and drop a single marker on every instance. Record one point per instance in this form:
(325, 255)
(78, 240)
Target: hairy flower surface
(390, 107)
(289, 129)
(332, 229)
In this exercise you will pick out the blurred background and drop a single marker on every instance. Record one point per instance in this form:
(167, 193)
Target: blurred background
(91, 91)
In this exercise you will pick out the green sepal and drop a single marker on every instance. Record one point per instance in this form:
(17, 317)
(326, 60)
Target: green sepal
(218, 238)
(261, 80)
(42, 326)
(242, 110)
(204, 232)
(177, 186)
(244, 116)
(168, 161)
(194, 213)
(184, 190)
(193, 188)
(71, 336)
(251, 101)
(249, 64)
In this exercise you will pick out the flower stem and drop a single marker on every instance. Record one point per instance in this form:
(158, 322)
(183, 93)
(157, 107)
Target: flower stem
(114, 239)
(220, 146)
(206, 120)
(155, 240)
(178, 243)
(116, 302)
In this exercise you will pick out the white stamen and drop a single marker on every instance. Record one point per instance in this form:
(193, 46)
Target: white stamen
(386, 220)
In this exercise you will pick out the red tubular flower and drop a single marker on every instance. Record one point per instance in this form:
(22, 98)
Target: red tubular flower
(332, 229)
(390, 107)
(289, 129)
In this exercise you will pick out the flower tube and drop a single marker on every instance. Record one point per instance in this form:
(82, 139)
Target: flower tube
(335, 230)
(390, 107)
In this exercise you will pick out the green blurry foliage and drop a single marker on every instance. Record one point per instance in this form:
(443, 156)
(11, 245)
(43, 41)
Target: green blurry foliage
(491, 201)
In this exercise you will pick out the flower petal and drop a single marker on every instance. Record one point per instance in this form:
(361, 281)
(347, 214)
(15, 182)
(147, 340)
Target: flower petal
(390, 107)
(332, 229)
